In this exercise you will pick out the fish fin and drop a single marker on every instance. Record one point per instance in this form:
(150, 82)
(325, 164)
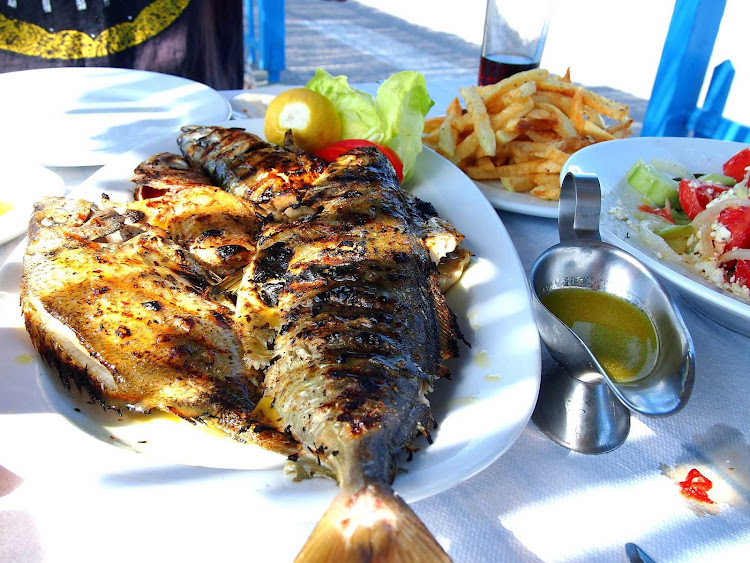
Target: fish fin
(373, 525)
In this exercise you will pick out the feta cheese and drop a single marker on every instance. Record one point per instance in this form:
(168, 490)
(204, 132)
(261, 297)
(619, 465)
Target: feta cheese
(720, 233)
(618, 213)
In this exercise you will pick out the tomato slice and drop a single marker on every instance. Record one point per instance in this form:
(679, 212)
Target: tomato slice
(736, 166)
(695, 195)
(332, 152)
(742, 272)
(737, 222)
(660, 211)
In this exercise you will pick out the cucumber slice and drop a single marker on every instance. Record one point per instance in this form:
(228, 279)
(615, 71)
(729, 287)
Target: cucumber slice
(676, 236)
(679, 217)
(717, 178)
(654, 185)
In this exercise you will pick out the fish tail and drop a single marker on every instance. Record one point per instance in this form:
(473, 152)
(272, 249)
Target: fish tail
(372, 525)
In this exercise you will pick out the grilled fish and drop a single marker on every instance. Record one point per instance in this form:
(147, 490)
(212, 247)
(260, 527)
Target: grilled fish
(247, 166)
(277, 179)
(339, 327)
(217, 228)
(165, 173)
(346, 306)
(129, 322)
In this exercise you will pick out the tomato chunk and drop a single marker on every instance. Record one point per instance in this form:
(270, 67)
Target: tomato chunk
(332, 152)
(736, 166)
(742, 272)
(695, 195)
(696, 486)
(660, 211)
(737, 222)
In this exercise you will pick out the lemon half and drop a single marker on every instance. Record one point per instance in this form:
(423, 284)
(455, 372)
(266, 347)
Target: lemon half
(311, 117)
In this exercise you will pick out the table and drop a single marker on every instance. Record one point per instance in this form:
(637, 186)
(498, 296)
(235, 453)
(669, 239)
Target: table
(538, 502)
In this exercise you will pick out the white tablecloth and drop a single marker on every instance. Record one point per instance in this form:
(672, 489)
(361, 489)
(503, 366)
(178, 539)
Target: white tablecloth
(538, 502)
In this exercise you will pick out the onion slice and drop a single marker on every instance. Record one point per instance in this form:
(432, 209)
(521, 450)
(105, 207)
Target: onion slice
(706, 245)
(671, 168)
(736, 254)
(711, 213)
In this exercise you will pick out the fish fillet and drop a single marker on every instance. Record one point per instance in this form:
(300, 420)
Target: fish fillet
(129, 323)
(218, 229)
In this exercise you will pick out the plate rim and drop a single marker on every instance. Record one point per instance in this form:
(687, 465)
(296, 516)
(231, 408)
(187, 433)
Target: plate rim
(101, 158)
(517, 202)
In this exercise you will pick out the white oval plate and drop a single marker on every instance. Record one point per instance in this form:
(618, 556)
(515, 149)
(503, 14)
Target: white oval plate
(88, 115)
(610, 161)
(22, 184)
(250, 104)
(480, 412)
(517, 202)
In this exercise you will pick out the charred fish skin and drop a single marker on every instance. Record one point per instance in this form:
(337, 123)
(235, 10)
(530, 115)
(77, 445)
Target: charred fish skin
(359, 294)
(131, 335)
(277, 179)
(243, 164)
(217, 228)
(212, 148)
(164, 173)
(361, 333)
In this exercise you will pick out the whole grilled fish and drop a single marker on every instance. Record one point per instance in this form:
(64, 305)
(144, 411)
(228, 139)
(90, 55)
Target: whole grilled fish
(129, 322)
(345, 305)
(247, 166)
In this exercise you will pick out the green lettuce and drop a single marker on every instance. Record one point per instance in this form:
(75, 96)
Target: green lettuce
(395, 117)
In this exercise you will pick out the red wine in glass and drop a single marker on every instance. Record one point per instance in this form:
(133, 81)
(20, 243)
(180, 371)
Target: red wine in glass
(495, 67)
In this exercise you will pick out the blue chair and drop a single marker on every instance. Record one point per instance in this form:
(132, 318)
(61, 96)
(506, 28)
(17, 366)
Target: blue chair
(264, 46)
(673, 108)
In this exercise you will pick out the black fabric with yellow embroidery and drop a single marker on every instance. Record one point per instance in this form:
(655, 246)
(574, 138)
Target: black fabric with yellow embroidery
(196, 39)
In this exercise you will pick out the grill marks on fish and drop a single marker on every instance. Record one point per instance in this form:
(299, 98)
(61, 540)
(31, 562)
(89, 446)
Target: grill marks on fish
(243, 164)
(339, 327)
(218, 229)
(166, 173)
(278, 180)
(121, 322)
(346, 306)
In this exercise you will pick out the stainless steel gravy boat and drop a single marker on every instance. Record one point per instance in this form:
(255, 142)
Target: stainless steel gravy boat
(580, 406)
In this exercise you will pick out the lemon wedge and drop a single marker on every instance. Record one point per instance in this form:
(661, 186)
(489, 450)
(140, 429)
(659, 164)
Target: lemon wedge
(311, 117)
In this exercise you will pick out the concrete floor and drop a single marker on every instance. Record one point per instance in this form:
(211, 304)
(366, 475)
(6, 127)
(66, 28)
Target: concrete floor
(612, 51)
(368, 45)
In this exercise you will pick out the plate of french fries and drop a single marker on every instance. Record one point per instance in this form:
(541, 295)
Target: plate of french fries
(514, 137)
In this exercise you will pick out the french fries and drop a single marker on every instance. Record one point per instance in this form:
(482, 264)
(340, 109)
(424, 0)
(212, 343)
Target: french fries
(521, 130)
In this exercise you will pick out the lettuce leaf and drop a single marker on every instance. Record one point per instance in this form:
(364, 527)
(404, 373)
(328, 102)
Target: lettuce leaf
(395, 117)
(403, 102)
(359, 115)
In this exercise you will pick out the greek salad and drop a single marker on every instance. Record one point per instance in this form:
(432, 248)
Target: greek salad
(700, 218)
